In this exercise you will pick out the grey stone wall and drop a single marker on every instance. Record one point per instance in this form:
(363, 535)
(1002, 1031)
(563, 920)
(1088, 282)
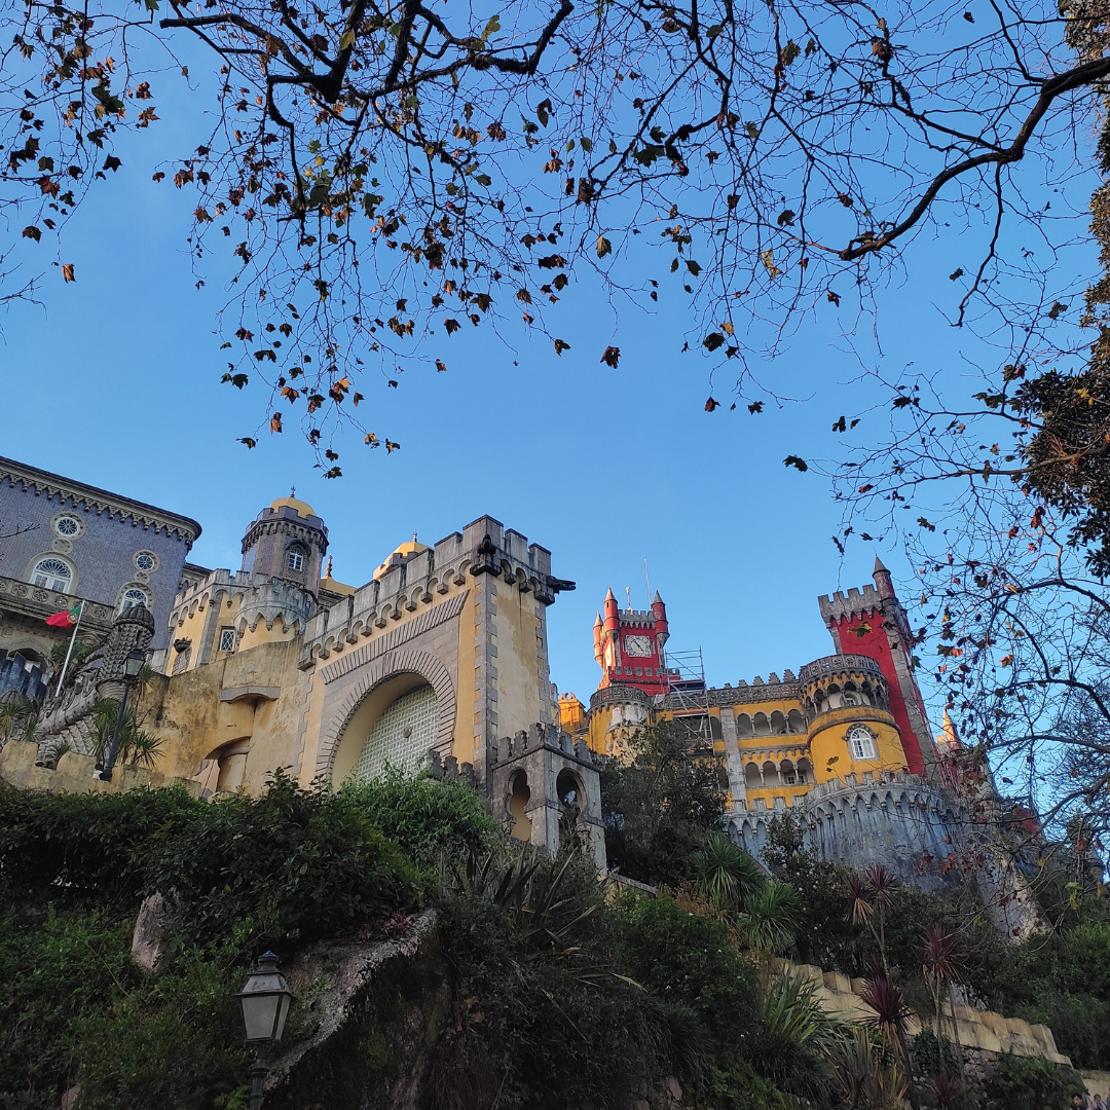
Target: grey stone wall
(113, 531)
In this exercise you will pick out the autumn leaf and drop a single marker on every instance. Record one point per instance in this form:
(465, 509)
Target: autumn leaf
(275, 422)
(604, 247)
(248, 442)
(713, 340)
(441, 366)
(611, 356)
(755, 406)
(796, 462)
(712, 404)
(32, 232)
(561, 345)
(390, 447)
(451, 326)
(67, 272)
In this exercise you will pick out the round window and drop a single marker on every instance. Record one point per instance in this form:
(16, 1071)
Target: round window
(67, 525)
(146, 560)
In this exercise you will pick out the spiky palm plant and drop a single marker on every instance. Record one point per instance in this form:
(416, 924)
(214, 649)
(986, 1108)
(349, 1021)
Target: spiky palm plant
(864, 1074)
(767, 922)
(725, 874)
(890, 1020)
(140, 748)
(939, 969)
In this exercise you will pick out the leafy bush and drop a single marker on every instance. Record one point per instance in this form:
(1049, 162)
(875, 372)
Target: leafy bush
(690, 961)
(1029, 1083)
(423, 817)
(659, 806)
(291, 865)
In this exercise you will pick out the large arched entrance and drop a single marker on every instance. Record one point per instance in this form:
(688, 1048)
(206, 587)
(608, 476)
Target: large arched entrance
(394, 726)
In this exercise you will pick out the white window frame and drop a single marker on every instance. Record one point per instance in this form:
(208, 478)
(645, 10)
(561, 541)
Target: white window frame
(132, 589)
(294, 559)
(50, 581)
(861, 742)
(226, 633)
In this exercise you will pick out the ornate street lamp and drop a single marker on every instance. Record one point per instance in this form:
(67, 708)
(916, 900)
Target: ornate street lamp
(132, 668)
(265, 1000)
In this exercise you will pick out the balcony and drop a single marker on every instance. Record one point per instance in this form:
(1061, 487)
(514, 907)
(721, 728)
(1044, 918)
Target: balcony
(839, 664)
(37, 603)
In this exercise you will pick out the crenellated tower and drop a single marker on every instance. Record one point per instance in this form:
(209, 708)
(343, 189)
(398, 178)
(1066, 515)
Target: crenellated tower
(286, 540)
(871, 621)
(628, 646)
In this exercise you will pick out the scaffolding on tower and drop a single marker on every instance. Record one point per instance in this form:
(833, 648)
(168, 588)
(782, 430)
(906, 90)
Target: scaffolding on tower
(688, 697)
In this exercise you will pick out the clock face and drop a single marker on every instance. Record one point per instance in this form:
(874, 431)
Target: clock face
(639, 646)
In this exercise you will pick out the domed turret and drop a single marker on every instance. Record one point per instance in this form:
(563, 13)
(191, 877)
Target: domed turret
(286, 540)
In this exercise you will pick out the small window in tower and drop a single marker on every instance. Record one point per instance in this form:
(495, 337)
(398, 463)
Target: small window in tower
(294, 559)
(227, 639)
(861, 742)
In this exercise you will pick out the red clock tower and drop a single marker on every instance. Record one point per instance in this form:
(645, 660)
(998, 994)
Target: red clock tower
(628, 646)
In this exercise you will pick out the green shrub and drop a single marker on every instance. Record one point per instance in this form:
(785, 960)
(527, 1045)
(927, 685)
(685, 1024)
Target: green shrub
(688, 960)
(423, 817)
(52, 969)
(289, 866)
(1030, 1083)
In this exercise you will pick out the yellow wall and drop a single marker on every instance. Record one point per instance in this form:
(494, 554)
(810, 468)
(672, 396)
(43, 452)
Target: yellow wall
(194, 722)
(831, 755)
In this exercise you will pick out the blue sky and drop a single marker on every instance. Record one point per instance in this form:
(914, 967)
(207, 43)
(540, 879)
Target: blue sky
(115, 380)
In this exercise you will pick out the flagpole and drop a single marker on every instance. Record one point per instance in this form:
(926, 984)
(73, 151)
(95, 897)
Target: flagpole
(69, 651)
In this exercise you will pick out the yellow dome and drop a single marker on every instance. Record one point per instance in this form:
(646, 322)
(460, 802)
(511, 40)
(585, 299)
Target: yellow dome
(303, 508)
(398, 555)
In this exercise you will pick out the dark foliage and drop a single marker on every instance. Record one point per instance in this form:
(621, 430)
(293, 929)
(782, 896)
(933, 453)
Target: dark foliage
(289, 866)
(658, 806)
(1027, 1083)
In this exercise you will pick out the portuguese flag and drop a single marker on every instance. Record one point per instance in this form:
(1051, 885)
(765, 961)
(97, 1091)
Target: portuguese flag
(64, 618)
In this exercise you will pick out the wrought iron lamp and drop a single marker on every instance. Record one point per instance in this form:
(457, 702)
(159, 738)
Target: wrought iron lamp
(265, 1000)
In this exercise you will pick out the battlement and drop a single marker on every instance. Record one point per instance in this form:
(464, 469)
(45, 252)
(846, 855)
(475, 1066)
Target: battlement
(847, 605)
(450, 769)
(484, 546)
(744, 692)
(541, 736)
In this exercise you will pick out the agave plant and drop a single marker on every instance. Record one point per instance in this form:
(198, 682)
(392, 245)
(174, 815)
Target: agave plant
(725, 873)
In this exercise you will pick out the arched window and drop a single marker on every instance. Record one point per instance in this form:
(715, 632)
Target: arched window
(53, 573)
(132, 596)
(294, 558)
(861, 742)
(401, 736)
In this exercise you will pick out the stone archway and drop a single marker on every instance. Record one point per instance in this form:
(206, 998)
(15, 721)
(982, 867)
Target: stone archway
(390, 676)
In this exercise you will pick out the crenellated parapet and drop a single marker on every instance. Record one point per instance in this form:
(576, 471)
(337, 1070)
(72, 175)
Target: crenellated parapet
(546, 787)
(425, 579)
(450, 769)
(525, 742)
(852, 604)
(744, 692)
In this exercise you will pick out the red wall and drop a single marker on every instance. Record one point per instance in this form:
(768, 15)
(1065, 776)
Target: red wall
(876, 645)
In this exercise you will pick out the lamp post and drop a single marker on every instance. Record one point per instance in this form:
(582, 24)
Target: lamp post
(132, 667)
(265, 1000)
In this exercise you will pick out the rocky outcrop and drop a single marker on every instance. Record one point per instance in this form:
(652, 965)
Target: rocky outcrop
(148, 941)
(364, 1026)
